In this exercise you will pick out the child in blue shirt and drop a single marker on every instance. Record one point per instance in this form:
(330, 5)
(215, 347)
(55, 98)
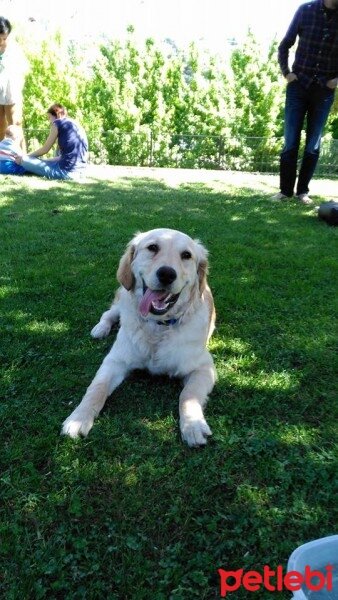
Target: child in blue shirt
(9, 148)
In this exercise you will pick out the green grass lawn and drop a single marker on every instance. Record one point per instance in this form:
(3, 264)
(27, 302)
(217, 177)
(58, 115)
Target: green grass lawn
(130, 512)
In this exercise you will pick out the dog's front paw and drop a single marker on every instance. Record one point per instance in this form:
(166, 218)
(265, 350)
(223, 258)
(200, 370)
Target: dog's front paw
(78, 423)
(101, 330)
(195, 431)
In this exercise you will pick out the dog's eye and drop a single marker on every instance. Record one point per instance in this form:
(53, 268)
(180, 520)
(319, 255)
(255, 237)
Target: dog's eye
(186, 255)
(153, 248)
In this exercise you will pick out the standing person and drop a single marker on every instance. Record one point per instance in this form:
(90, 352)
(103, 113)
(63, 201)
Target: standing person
(310, 91)
(13, 68)
(9, 147)
(72, 144)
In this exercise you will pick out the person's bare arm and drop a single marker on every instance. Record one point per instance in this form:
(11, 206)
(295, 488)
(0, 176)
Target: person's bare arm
(50, 141)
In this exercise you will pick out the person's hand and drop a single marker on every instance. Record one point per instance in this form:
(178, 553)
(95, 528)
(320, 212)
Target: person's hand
(291, 77)
(18, 159)
(332, 83)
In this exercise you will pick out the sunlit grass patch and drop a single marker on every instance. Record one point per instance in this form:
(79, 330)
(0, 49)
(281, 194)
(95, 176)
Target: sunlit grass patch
(44, 327)
(7, 290)
(236, 373)
(297, 434)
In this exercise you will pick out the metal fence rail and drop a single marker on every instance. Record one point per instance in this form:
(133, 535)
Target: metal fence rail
(251, 154)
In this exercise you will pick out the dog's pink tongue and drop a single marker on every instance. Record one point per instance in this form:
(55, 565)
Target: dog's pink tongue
(149, 297)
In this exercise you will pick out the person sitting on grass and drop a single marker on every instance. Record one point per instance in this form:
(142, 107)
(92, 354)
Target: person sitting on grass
(72, 145)
(9, 148)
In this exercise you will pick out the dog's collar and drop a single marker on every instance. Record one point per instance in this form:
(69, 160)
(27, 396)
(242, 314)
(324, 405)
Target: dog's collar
(168, 322)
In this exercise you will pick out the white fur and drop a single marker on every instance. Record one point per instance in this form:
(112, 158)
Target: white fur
(178, 350)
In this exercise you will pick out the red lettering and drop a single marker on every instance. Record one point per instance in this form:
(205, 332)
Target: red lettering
(266, 578)
(293, 581)
(252, 581)
(228, 587)
(314, 587)
(329, 585)
(279, 578)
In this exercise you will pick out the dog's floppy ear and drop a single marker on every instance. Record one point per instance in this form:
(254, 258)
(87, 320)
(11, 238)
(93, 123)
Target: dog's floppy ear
(202, 268)
(202, 274)
(124, 274)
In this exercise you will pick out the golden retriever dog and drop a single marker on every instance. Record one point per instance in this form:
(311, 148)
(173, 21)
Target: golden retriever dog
(166, 315)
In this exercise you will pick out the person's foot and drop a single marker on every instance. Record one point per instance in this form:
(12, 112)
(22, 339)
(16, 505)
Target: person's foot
(279, 197)
(304, 198)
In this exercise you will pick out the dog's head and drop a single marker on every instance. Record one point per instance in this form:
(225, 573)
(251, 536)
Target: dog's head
(164, 268)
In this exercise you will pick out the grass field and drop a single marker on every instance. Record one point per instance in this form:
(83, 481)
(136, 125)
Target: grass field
(130, 512)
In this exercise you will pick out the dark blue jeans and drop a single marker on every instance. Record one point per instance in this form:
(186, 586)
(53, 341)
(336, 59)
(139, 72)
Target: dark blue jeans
(313, 103)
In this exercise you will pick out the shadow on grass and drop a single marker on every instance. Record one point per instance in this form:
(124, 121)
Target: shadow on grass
(130, 507)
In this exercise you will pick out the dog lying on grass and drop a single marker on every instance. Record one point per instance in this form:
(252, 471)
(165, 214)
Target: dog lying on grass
(166, 315)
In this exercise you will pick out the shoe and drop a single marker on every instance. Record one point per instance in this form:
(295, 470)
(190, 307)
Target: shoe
(279, 197)
(304, 198)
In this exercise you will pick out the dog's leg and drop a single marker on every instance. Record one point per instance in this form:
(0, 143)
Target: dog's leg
(197, 385)
(106, 322)
(111, 373)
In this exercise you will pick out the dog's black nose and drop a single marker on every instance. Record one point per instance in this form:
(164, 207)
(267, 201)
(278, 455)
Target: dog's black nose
(166, 275)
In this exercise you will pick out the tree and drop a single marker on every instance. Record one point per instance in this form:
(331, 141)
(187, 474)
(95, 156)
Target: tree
(259, 97)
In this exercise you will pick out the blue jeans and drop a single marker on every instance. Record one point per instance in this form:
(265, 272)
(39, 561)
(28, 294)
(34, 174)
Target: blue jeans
(313, 103)
(44, 168)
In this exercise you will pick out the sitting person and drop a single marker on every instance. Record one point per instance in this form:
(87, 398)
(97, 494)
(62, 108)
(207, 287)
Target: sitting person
(9, 148)
(72, 145)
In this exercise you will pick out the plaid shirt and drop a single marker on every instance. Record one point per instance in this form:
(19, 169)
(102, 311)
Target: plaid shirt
(316, 59)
